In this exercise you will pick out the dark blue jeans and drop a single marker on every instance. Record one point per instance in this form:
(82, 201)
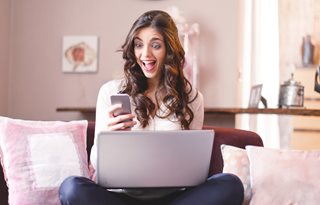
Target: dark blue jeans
(220, 189)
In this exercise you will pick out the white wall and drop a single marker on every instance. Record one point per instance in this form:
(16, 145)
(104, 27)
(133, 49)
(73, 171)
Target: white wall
(38, 86)
(4, 54)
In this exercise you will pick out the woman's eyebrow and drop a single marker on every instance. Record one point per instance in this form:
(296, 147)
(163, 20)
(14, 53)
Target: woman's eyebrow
(152, 39)
(156, 38)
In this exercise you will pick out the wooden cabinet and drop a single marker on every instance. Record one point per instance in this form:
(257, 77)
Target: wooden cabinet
(306, 130)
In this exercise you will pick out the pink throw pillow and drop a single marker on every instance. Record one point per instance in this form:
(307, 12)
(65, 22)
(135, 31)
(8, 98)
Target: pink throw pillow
(38, 155)
(235, 161)
(284, 176)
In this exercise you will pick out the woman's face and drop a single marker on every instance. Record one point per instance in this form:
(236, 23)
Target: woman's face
(150, 52)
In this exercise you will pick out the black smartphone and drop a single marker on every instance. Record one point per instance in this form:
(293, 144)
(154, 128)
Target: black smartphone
(124, 100)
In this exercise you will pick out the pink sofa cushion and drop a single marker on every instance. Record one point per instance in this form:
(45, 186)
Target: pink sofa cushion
(284, 176)
(38, 155)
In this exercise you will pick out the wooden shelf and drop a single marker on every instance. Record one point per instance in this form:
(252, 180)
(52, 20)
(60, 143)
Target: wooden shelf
(310, 99)
(233, 111)
(77, 109)
(277, 111)
(306, 130)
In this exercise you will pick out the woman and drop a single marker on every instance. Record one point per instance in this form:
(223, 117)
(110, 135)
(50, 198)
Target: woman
(162, 99)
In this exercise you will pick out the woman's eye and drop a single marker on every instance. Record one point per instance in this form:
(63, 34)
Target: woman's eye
(137, 45)
(156, 45)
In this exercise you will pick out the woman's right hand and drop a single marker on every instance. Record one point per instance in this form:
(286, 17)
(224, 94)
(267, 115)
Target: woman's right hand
(120, 122)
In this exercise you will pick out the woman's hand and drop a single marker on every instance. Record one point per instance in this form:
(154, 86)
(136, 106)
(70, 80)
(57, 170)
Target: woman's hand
(120, 122)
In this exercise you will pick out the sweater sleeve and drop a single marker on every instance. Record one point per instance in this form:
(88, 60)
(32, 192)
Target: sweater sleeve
(197, 107)
(102, 106)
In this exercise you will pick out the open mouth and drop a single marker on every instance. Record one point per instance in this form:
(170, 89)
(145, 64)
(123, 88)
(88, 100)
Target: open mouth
(149, 65)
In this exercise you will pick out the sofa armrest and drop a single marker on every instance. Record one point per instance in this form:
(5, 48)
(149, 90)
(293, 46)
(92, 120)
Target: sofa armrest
(3, 189)
(90, 137)
(229, 136)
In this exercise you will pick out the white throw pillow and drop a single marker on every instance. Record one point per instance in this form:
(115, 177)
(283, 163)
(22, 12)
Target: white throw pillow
(235, 161)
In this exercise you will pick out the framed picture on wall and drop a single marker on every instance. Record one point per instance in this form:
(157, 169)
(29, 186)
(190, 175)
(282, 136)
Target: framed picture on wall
(80, 54)
(255, 96)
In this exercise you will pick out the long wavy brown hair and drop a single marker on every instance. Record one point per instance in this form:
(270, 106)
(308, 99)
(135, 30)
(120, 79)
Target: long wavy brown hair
(174, 89)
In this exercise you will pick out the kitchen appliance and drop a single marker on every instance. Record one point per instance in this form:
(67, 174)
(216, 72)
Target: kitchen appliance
(291, 94)
(317, 80)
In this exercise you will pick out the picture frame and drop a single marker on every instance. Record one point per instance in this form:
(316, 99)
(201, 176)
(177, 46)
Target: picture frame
(255, 96)
(79, 54)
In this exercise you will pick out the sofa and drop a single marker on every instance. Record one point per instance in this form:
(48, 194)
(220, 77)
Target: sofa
(229, 136)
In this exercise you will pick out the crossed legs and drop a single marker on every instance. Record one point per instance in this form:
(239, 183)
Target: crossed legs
(220, 189)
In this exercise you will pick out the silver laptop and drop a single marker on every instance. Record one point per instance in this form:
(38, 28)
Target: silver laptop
(153, 159)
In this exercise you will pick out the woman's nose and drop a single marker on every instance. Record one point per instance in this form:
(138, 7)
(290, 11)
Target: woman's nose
(146, 51)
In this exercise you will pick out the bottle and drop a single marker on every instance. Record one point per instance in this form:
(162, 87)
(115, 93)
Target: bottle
(307, 51)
